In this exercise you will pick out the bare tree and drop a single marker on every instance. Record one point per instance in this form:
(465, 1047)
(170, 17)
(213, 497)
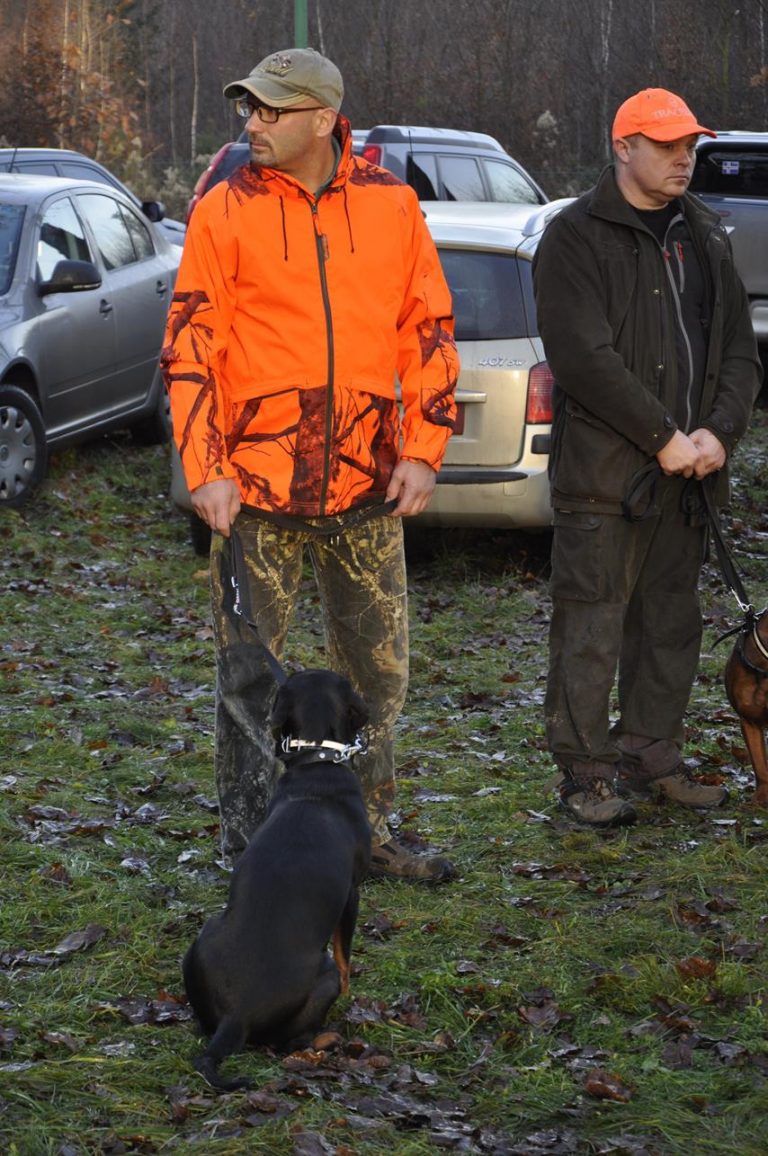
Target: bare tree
(543, 76)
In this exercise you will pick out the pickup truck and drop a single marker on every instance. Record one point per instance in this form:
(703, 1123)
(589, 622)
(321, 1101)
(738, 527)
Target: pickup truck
(731, 176)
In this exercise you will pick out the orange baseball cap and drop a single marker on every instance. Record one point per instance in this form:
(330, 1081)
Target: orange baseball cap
(657, 114)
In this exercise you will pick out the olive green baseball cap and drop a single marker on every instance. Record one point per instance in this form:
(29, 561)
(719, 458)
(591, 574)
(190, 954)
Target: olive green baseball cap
(290, 77)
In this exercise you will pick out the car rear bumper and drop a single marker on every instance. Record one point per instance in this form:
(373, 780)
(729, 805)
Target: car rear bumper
(510, 499)
(758, 308)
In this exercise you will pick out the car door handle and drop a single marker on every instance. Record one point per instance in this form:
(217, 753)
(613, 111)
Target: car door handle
(161, 288)
(105, 307)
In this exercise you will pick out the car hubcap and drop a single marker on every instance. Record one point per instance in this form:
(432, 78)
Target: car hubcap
(18, 452)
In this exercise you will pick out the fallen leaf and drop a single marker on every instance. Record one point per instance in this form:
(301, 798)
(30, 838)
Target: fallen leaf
(694, 967)
(78, 940)
(604, 1085)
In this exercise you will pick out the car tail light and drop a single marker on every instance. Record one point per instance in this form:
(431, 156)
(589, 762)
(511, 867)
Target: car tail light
(538, 409)
(372, 153)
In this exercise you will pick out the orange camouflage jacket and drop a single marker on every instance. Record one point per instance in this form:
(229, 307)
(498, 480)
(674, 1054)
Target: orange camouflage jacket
(292, 318)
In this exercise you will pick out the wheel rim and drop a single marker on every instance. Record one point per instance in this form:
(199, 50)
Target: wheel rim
(18, 452)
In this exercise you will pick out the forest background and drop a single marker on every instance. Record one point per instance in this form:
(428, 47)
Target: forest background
(137, 84)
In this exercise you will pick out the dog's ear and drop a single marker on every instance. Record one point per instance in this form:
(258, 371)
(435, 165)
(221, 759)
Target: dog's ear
(358, 712)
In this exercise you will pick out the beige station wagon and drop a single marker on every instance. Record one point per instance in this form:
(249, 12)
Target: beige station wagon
(495, 469)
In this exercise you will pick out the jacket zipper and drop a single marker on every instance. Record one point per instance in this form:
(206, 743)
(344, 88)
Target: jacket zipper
(321, 246)
(679, 313)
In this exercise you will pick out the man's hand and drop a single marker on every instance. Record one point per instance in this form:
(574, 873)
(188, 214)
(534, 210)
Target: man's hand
(711, 452)
(679, 456)
(218, 504)
(412, 484)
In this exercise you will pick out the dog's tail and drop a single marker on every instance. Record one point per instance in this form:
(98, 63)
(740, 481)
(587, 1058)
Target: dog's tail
(229, 1037)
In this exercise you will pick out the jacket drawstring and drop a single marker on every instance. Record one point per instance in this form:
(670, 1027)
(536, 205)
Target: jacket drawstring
(285, 233)
(349, 222)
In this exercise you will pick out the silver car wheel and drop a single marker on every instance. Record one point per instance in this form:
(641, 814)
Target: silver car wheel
(22, 446)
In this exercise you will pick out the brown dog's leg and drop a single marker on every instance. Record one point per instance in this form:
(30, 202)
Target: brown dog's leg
(342, 960)
(754, 737)
(342, 936)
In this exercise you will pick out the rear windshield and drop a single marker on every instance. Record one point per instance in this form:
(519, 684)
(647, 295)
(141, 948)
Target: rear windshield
(11, 217)
(731, 173)
(492, 294)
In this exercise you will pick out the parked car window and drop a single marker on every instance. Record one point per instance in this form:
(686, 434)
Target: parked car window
(61, 238)
(421, 174)
(488, 297)
(462, 179)
(142, 241)
(37, 168)
(731, 173)
(83, 172)
(11, 218)
(112, 236)
(507, 184)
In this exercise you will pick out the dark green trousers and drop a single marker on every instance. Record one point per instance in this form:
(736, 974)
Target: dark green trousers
(361, 580)
(625, 602)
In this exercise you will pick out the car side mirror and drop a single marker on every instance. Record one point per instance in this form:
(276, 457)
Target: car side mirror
(71, 277)
(154, 211)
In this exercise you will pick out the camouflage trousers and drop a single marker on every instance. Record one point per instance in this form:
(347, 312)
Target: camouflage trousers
(360, 576)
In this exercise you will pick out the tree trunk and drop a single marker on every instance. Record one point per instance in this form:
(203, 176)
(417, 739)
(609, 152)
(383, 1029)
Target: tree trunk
(61, 128)
(195, 98)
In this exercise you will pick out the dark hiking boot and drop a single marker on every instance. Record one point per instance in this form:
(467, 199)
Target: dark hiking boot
(657, 772)
(391, 860)
(592, 800)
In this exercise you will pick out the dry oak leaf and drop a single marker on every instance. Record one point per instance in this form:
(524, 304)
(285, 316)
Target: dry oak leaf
(605, 1085)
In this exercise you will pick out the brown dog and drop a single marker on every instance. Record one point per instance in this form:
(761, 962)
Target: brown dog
(746, 684)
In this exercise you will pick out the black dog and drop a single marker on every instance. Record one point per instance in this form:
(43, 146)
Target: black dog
(260, 972)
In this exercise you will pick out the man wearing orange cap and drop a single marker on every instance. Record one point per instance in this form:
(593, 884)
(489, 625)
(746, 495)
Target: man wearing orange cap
(647, 330)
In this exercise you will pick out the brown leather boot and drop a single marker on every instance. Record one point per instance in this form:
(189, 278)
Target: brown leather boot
(587, 792)
(391, 860)
(654, 769)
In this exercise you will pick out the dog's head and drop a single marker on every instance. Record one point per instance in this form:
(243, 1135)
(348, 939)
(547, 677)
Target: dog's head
(318, 705)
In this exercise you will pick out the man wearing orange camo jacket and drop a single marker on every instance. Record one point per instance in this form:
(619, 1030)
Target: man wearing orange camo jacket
(309, 283)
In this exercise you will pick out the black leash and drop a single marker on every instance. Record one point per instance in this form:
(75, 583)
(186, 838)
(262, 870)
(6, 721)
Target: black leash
(639, 503)
(242, 599)
(731, 576)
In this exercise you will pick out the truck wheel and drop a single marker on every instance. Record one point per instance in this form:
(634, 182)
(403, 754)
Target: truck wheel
(23, 446)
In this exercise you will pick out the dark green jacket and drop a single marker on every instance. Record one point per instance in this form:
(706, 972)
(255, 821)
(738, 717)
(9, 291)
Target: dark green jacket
(605, 315)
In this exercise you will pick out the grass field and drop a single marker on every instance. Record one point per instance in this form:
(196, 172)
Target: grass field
(572, 992)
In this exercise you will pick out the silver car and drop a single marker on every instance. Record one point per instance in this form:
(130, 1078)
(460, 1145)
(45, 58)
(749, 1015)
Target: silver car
(45, 162)
(495, 469)
(85, 284)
